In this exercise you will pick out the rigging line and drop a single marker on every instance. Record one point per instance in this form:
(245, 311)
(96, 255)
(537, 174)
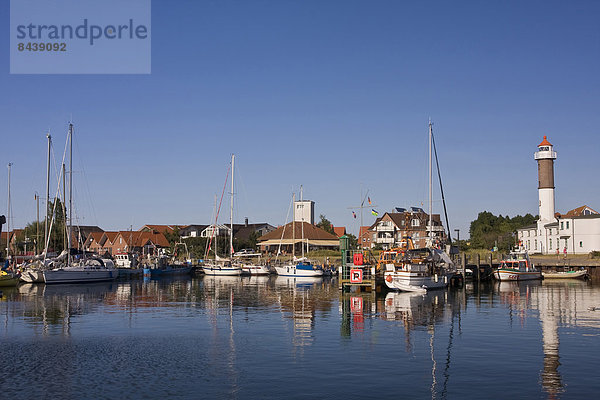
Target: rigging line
(441, 189)
(87, 183)
(57, 196)
(283, 232)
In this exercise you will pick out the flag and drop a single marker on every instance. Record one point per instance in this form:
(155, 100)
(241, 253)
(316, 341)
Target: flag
(369, 200)
(354, 214)
(375, 213)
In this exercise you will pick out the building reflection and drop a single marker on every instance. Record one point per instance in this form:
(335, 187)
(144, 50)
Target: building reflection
(560, 304)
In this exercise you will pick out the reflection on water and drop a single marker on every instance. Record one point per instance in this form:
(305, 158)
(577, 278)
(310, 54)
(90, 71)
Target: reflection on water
(258, 336)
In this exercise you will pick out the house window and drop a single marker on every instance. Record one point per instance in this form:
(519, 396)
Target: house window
(562, 225)
(567, 224)
(550, 244)
(120, 240)
(580, 244)
(416, 222)
(586, 212)
(535, 243)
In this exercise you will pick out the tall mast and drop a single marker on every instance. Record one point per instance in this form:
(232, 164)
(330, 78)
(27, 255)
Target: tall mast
(302, 221)
(8, 215)
(70, 189)
(231, 214)
(47, 191)
(294, 226)
(64, 206)
(37, 222)
(430, 185)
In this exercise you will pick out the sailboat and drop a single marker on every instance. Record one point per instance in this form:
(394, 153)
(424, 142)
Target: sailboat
(422, 269)
(90, 270)
(33, 271)
(220, 266)
(298, 266)
(8, 278)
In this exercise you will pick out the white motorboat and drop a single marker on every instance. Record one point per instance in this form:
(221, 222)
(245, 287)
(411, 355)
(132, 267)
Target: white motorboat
(419, 270)
(517, 267)
(251, 264)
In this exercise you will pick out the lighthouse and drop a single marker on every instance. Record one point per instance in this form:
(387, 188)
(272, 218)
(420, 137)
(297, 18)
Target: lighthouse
(545, 157)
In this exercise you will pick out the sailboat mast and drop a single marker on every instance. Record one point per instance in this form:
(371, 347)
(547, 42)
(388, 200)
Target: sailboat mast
(8, 215)
(231, 211)
(47, 191)
(70, 189)
(430, 185)
(302, 221)
(64, 205)
(294, 226)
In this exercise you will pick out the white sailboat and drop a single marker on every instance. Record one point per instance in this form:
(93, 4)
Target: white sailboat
(34, 272)
(419, 270)
(91, 270)
(222, 266)
(298, 266)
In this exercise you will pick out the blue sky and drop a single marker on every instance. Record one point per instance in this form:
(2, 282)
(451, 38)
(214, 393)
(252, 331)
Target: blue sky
(331, 95)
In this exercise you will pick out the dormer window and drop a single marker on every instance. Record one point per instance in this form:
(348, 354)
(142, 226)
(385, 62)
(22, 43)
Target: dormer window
(415, 222)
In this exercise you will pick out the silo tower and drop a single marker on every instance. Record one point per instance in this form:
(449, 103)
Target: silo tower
(545, 157)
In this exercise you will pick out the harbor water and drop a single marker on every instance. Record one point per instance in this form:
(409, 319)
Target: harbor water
(278, 337)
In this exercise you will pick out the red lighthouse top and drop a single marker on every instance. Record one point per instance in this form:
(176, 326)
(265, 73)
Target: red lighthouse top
(545, 142)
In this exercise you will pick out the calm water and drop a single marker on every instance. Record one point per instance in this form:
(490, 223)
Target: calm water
(274, 338)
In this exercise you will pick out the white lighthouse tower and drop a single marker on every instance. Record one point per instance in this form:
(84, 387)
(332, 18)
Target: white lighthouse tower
(545, 157)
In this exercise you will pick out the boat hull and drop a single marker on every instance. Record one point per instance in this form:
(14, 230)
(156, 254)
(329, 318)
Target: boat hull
(8, 280)
(32, 276)
(79, 275)
(415, 282)
(216, 270)
(167, 271)
(255, 270)
(580, 274)
(291, 270)
(512, 275)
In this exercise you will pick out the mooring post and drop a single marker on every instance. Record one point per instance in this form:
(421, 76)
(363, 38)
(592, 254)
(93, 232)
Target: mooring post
(478, 266)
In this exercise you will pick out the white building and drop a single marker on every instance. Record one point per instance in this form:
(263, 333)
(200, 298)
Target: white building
(576, 232)
(304, 211)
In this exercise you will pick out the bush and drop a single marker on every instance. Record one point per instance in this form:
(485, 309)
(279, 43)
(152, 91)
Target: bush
(594, 254)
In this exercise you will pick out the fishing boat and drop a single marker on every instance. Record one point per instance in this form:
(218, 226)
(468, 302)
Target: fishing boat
(517, 266)
(88, 270)
(163, 266)
(127, 265)
(413, 269)
(575, 274)
(223, 266)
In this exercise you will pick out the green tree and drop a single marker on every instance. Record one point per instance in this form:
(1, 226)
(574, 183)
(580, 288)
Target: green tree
(489, 230)
(325, 224)
(353, 241)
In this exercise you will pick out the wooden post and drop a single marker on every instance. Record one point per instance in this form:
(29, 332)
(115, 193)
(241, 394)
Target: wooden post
(463, 263)
(478, 266)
